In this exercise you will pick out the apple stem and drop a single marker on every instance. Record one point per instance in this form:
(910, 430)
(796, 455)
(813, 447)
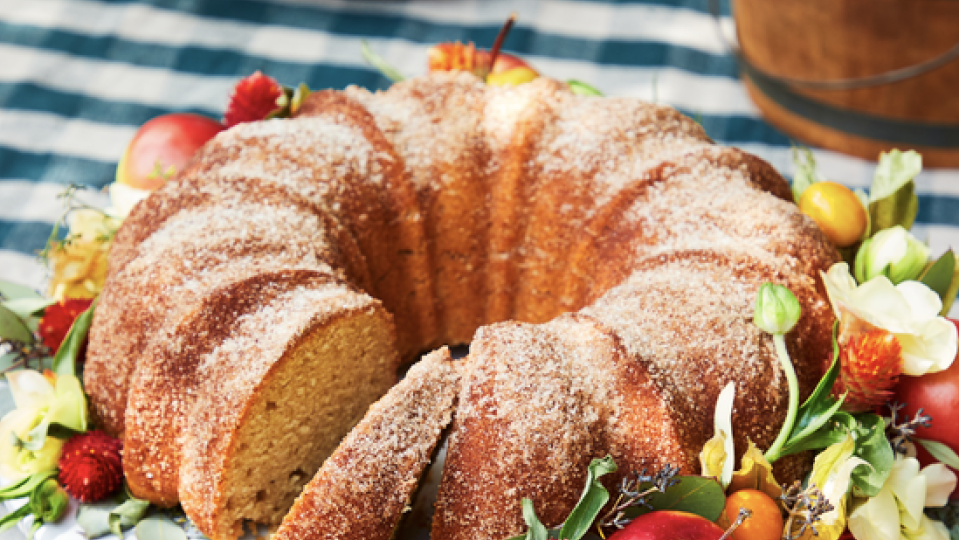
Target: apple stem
(744, 514)
(500, 38)
(774, 451)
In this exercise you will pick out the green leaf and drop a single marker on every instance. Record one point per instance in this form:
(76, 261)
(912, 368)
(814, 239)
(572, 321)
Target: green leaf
(65, 361)
(938, 277)
(13, 328)
(158, 528)
(379, 63)
(25, 307)
(895, 170)
(13, 291)
(940, 451)
(583, 89)
(127, 515)
(950, 296)
(94, 518)
(537, 531)
(872, 446)
(48, 501)
(593, 499)
(14, 517)
(892, 199)
(25, 487)
(694, 494)
(806, 173)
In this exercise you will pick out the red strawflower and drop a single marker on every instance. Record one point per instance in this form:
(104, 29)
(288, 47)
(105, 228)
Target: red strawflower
(871, 363)
(253, 98)
(90, 466)
(58, 318)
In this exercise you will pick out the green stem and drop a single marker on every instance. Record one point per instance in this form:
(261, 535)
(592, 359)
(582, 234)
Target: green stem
(774, 451)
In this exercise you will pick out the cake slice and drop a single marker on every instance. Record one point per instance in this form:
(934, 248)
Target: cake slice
(367, 484)
(275, 395)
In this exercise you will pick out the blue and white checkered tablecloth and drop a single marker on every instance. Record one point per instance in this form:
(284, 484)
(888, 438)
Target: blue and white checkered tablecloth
(78, 76)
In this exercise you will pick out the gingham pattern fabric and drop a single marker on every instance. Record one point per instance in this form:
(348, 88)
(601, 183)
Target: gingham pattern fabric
(78, 76)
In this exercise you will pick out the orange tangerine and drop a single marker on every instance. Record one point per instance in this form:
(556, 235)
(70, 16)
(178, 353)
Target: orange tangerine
(766, 521)
(837, 211)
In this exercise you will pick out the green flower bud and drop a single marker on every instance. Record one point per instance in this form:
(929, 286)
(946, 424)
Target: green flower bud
(777, 310)
(892, 252)
(48, 501)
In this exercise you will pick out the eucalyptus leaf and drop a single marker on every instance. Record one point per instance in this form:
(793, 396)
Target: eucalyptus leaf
(65, 361)
(13, 328)
(158, 528)
(25, 307)
(695, 494)
(938, 276)
(94, 518)
(593, 499)
(537, 531)
(127, 515)
(583, 89)
(379, 63)
(12, 291)
(872, 446)
(940, 451)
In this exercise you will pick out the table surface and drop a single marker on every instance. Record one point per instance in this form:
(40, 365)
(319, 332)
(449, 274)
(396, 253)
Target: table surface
(78, 77)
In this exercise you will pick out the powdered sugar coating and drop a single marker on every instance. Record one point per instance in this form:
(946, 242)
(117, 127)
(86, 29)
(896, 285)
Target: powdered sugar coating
(458, 204)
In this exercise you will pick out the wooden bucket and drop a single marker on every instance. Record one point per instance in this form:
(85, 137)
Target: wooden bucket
(857, 76)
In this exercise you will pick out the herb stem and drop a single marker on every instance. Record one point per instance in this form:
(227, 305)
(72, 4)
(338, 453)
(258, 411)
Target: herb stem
(775, 450)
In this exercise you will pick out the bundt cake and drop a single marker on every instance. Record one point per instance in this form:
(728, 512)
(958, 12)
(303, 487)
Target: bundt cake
(248, 317)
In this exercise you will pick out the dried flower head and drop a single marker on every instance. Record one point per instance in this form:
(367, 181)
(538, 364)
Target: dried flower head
(804, 508)
(900, 434)
(58, 318)
(871, 363)
(253, 98)
(90, 467)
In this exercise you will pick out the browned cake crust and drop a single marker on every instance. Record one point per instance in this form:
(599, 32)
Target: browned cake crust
(376, 469)
(459, 205)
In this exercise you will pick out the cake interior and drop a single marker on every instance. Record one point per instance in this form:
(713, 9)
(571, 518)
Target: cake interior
(313, 396)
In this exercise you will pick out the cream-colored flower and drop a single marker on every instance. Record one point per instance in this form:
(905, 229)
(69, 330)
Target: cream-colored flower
(80, 265)
(38, 400)
(832, 474)
(897, 511)
(124, 198)
(718, 456)
(909, 310)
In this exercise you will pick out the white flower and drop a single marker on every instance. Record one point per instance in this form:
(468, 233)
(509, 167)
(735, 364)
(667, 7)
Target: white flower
(38, 400)
(717, 457)
(124, 198)
(892, 252)
(909, 310)
(897, 511)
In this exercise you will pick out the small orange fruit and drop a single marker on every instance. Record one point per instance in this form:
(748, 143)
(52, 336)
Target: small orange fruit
(837, 211)
(766, 521)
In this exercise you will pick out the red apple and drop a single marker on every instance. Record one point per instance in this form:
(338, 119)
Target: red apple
(506, 62)
(163, 146)
(669, 525)
(938, 396)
